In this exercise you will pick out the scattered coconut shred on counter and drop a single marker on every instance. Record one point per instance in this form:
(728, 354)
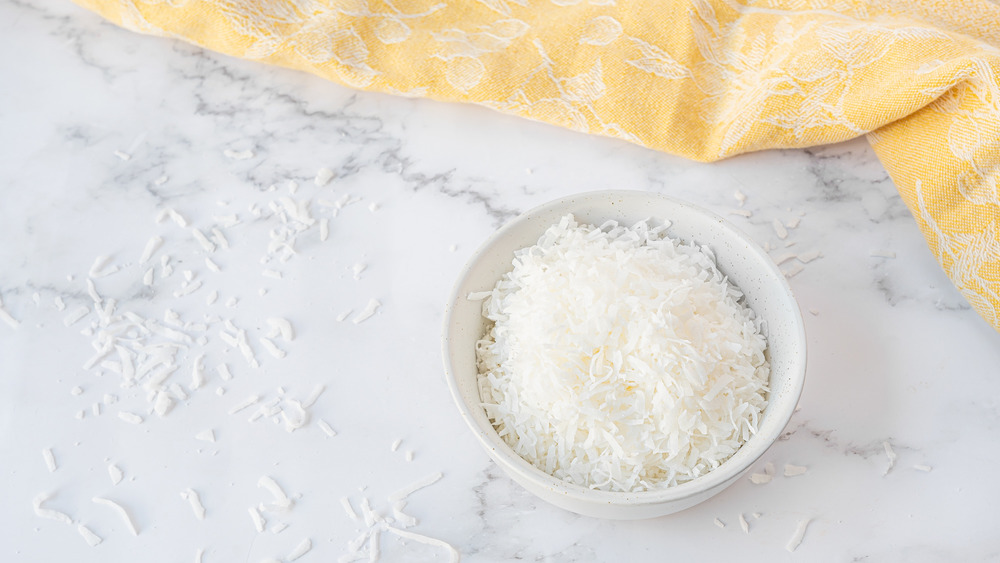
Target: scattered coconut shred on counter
(672, 378)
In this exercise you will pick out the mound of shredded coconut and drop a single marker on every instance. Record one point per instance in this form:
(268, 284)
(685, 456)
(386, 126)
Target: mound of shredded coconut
(620, 359)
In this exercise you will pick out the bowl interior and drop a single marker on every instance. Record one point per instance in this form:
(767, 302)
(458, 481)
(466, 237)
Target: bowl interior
(747, 266)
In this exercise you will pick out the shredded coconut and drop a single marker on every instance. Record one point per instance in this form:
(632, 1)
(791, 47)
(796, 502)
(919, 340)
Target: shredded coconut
(89, 536)
(800, 532)
(891, 455)
(453, 555)
(300, 550)
(130, 417)
(367, 312)
(50, 459)
(620, 359)
(346, 503)
(414, 487)
(793, 470)
(323, 177)
(807, 257)
(779, 229)
(258, 520)
(326, 428)
(49, 513)
(115, 473)
(281, 500)
(194, 500)
(151, 246)
(122, 513)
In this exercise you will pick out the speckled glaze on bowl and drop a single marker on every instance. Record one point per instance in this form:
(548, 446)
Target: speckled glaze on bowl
(747, 266)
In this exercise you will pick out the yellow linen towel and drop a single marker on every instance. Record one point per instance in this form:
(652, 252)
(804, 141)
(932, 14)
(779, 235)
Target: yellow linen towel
(705, 79)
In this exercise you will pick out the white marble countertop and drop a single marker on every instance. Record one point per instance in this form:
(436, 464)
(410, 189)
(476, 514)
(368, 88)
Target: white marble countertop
(103, 130)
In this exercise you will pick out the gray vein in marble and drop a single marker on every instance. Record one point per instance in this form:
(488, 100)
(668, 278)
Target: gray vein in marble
(867, 450)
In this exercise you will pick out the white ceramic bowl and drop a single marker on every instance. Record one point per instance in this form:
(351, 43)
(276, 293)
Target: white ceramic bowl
(747, 266)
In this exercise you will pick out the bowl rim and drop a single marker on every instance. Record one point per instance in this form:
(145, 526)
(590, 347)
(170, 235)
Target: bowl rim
(504, 455)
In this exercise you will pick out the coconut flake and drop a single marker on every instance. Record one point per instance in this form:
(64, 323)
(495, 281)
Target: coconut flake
(188, 288)
(800, 532)
(74, 316)
(793, 470)
(49, 513)
(219, 238)
(744, 525)
(7, 318)
(300, 550)
(92, 539)
(258, 520)
(50, 460)
(122, 513)
(198, 372)
(793, 270)
(453, 554)
(779, 260)
(294, 415)
(324, 229)
(357, 269)
(323, 176)
(278, 527)
(194, 500)
(202, 239)
(115, 473)
(326, 428)
(152, 245)
(223, 371)
(891, 455)
(741, 212)
(244, 404)
(282, 327)
(206, 436)
(779, 229)
(272, 348)
(348, 509)
(414, 487)
(807, 257)
(130, 417)
(760, 478)
(367, 312)
(313, 396)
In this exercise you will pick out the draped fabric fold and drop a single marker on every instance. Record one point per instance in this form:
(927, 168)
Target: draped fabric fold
(705, 79)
